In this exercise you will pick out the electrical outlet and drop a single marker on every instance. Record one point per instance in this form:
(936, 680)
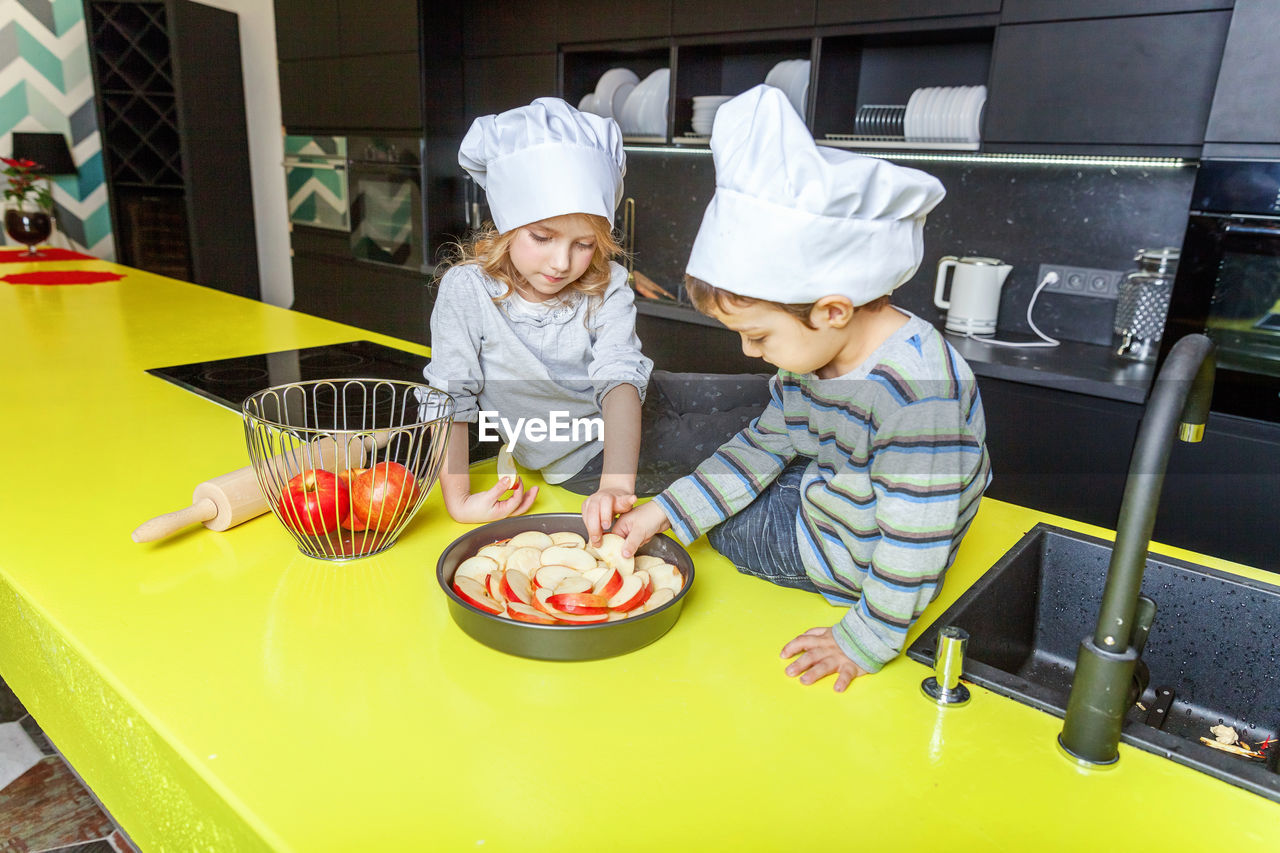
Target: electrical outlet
(1082, 281)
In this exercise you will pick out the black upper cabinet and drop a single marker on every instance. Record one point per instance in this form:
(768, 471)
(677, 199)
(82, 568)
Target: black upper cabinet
(504, 27)
(380, 92)
(1025, 11)
(1247, 101)
(1111, 83)
(306, 29)
(378, 26)
(712, 16)
(864, 11)
(497, 83)
(310, 93)
(591, 20)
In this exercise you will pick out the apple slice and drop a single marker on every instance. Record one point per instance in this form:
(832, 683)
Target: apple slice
(608, 584)
(645, 580)
(574, 558)
(497, 553)
(576, 583)
(516, 587)
(530, 539)
(550, 576)
(666, 576)
(524, 613)
(524, 559)
(477, 568)
(583, 618)
(579, 602)
(470, 591)
(646, 561)
(660, 597)
(616, 616)
(493, 586)
(568, 538)
(540, 597)
(630, 595)
(610, 550)
(598, 572)
(506, 464)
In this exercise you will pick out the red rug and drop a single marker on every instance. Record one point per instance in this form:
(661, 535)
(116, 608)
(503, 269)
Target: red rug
(14, 256)
(61, 277)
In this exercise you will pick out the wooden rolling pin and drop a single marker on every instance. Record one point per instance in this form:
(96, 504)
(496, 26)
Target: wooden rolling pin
(224, 502)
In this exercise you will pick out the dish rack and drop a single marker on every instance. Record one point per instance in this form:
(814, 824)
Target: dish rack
(345, 464)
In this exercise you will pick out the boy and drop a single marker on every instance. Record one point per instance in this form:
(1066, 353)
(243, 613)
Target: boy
(864, 471)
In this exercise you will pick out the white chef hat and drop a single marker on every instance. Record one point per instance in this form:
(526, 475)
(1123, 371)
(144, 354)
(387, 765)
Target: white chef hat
(792, 221)
(545, 160)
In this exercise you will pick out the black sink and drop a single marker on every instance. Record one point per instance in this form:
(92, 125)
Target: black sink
(1214, 647)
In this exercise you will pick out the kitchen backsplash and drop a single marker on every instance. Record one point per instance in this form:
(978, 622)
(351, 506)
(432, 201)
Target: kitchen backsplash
(1025, 213)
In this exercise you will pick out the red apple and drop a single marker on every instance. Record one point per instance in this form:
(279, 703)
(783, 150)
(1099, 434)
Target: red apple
(579, 602)
(351, 522)
(382, 495)
(609, 583)
(516, 587)
(473, 593)
(314, 503)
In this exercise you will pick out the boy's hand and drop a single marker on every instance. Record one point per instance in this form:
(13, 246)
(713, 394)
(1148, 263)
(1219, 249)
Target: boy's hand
(821, 657)
(599, 509)
(639, 526)
(489, 505)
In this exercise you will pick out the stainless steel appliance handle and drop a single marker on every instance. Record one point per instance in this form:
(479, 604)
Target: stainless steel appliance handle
(315, 164)
(1252, 230)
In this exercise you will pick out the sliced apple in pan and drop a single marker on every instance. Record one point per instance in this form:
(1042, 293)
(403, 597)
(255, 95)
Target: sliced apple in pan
(574, 583)
(476, 568)
(645, 561)
(632, 594)
(568, 539)
(550, 576)
(598, 572)
(583, 618)
(524, 559)
(659, 598)
(493, 586)
(666, 576)
(530, 539)
(516, 587)
(524, 613)
(497, 553)
(473, 593)
(574, 558)
(607, 584)
(645, 580)
(610, 550)
(578, 602)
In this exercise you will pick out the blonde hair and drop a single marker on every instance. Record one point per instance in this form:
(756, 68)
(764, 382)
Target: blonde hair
(491, 251)
(707, 297)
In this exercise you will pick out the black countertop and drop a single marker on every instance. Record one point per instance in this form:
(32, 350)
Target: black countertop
(1081, 368)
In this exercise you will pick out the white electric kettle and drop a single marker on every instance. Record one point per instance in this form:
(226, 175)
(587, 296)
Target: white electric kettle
(975, 293)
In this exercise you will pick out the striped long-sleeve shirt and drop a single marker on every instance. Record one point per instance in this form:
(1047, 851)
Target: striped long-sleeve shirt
(898, 466)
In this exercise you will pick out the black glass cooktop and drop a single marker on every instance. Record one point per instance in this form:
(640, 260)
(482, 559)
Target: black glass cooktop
(230, 381)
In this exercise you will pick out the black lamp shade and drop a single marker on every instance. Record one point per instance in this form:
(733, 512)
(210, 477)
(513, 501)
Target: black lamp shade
(49, 150)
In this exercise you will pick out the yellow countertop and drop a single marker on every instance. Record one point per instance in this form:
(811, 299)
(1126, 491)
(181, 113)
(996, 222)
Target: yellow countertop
(220, 691)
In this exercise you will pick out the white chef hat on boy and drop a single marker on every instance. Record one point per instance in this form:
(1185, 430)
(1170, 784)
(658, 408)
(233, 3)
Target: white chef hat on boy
(791, 221)
(544, 160)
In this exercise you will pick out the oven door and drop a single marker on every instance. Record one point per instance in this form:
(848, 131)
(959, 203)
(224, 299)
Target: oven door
(1228, 287)
(387, 217)
(315, 174)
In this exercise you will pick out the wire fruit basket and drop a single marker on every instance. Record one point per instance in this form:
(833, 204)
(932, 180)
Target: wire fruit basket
(345, 463)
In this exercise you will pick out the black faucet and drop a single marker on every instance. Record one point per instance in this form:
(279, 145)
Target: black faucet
(1103, 686)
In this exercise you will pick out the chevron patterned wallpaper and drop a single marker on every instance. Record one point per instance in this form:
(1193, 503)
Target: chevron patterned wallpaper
(46, 86)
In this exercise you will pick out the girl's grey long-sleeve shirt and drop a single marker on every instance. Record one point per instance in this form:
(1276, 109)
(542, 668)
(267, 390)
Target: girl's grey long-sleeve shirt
(553, 361)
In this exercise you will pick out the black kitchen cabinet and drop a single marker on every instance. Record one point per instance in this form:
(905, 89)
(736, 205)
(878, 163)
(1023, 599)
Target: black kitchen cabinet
(590, 20)
(504, 27)
(1246, 104)
(378, 298)
(1024, 11)
(497, 83)
(378, 26)
(715, 16)
(310, 94)
(864, 11)
(306, 29)
(170, 97)
(380, 92)
(1117, 85)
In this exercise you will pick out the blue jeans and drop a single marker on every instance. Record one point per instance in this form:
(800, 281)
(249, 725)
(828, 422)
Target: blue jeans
(761, 540)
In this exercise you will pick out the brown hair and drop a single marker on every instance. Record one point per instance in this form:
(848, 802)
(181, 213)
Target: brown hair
(706, 297)
(491, 251)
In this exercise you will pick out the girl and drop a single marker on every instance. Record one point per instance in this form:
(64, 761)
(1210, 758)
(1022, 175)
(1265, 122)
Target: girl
(533, 330)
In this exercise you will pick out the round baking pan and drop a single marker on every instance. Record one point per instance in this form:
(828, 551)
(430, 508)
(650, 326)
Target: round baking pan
(558, 642)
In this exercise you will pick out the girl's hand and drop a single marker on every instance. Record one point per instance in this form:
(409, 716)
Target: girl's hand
(821, 657)
(639, 526)
(489, 505)
(599, 509)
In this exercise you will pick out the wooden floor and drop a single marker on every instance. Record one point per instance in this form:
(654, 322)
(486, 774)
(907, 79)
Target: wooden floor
(48, 809)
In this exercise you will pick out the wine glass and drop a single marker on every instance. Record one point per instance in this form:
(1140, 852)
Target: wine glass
(28, 224)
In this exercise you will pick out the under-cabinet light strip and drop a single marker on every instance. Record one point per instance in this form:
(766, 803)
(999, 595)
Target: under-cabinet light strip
(1046, 159)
